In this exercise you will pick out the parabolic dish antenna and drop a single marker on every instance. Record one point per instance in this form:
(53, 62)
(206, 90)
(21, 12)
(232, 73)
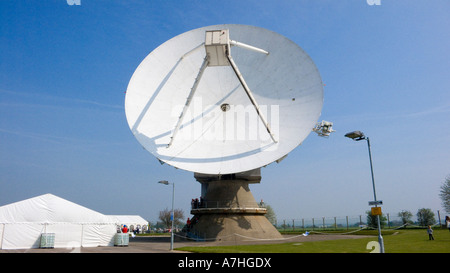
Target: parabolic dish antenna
(224, 99)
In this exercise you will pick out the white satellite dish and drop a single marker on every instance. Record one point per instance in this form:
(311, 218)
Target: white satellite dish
(224, 99)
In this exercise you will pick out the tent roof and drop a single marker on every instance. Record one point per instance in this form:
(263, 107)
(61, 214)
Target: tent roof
(49, 208)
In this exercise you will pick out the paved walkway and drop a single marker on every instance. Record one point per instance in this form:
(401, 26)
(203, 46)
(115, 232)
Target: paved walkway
(161, 244)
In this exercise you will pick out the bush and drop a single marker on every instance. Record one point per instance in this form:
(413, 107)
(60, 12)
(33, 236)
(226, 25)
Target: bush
(372, 220)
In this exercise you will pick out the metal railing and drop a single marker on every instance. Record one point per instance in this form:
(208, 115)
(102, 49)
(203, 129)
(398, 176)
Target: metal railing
(225, 205)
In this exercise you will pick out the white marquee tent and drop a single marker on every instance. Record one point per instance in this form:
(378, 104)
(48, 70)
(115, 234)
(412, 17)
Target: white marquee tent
(23, 222)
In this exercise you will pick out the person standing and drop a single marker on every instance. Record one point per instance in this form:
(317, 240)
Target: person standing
(430, 233)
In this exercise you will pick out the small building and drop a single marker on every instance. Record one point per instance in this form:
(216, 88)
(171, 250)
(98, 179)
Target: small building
(132, 221)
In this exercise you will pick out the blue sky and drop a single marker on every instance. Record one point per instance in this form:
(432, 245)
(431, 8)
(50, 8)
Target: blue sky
(64, 71)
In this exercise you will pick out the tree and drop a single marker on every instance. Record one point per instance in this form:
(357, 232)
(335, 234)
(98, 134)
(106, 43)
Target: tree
(425, 217)
(372, 220)
(445, 194)
(270, 215)
(405, 216)
(178, 219)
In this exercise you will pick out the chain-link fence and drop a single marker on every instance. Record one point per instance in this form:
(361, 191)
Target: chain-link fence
(388, 220)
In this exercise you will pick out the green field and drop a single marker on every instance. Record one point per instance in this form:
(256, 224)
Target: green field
(400, 241)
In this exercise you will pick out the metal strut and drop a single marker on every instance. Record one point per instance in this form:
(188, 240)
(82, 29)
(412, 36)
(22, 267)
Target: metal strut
(189, 99)
(249, 94)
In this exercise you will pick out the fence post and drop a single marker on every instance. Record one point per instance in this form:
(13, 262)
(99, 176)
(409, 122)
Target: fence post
(347, 221)
(335, 225)
(313, 224)
(303, 223)
(293, 225)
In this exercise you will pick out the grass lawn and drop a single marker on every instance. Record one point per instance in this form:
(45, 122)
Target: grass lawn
(405, 241)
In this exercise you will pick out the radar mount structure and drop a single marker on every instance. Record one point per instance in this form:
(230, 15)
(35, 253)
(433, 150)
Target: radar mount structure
(218, 53)
(281, 75)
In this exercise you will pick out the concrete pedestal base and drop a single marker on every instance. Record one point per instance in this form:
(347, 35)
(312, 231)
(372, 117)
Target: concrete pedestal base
(228, 210)
(228, 227)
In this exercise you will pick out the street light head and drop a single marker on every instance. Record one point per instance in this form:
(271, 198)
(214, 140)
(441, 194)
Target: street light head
(356, 135)
(165, 182)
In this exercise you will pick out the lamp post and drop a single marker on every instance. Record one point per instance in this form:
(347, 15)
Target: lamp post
(357, 136)
(165, 182)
